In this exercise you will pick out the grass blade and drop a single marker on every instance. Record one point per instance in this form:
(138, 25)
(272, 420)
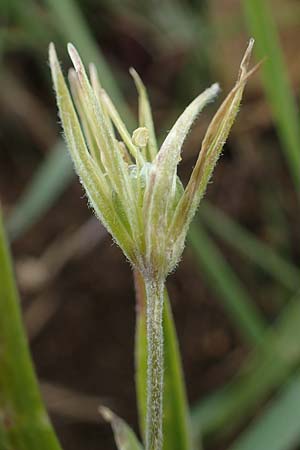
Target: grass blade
(246, 243)
(276, 83)
(24, 423)
(225, 410)
(278, 427)
(221, 277)
(176, 426)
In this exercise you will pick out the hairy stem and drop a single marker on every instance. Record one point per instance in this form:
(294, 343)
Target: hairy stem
(155, 297)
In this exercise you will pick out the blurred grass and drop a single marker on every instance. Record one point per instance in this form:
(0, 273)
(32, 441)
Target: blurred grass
(24, 424)
(253, 249)
(277, 427)
(226, 410)
(259, 18)
(222, 279)
(46, 185)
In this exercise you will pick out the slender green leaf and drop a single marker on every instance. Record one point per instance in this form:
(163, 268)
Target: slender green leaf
(140, 350)
(261, 24)
(225, 410)
(176, 426)
(221, 277)
(24, 424)
(278, 427)
(246, 243)
(124, 436)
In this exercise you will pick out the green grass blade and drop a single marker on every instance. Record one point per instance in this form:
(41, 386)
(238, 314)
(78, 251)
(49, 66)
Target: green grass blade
(278, 427)
(177, 420)
(140, 351)
(246, 243)
(261, 24)
(223, 280)
(225, 410)
(47, 184)
(24, 424)
(176, 424)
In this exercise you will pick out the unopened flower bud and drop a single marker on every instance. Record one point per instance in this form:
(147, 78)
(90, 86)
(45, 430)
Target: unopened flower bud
(140, 137)
(132, 185)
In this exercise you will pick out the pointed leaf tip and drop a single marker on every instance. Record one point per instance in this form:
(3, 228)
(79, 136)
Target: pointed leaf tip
(124, 436)
(52, 55)
(246, 58)
(136, 78)
(76, 60)
(106, 413)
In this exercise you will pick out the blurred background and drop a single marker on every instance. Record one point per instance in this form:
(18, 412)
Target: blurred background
(238, 283)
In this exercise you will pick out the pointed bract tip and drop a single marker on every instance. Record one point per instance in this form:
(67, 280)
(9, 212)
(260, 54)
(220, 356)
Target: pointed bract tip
(70, 47)
(52, 54)
(210, 93)
(74, 55)
(106, 413)
(136, 78)
(246, 57)
(132, 71)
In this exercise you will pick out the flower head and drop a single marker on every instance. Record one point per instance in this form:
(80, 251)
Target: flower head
(132, 185)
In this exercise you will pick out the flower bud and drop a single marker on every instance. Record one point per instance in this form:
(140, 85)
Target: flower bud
(140, 137)
(132, 186)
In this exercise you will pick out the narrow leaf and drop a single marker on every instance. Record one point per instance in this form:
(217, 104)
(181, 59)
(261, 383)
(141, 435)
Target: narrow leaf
(222, 279)
(224, 411)
(24, 423)
(277, 428)
(261, 23)
(258, 252)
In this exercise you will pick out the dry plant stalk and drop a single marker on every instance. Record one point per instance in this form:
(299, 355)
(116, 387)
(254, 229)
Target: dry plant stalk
(134, 189)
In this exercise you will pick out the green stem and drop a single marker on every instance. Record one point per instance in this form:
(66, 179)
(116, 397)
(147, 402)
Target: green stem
(24, 423)
(155, 363)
